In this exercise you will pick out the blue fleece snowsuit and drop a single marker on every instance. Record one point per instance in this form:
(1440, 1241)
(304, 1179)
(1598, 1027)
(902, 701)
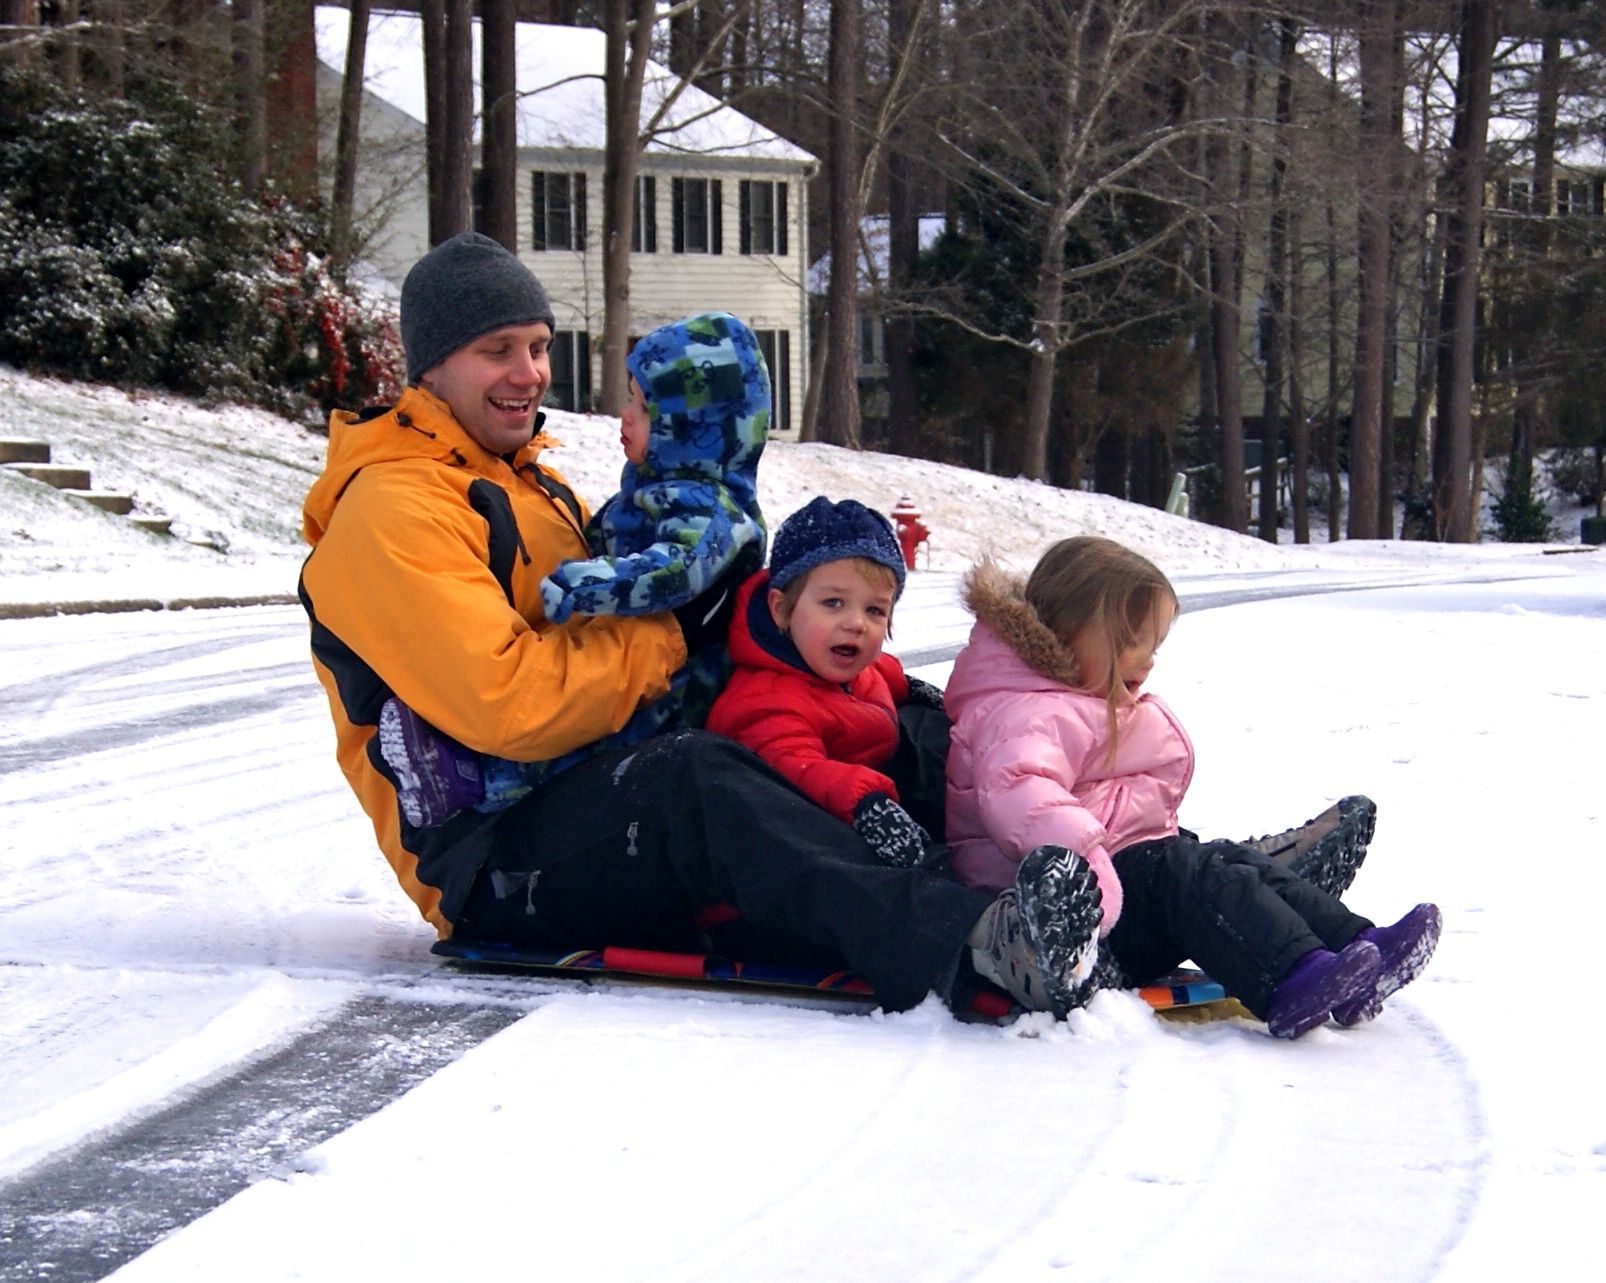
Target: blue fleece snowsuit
(690, 508)
(683, 517)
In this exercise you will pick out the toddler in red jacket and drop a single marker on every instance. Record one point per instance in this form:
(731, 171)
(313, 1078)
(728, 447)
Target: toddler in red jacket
(812, 693)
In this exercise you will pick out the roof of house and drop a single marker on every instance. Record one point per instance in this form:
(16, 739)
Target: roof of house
(560, 89)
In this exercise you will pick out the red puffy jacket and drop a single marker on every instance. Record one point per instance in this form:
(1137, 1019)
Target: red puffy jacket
(827, 739)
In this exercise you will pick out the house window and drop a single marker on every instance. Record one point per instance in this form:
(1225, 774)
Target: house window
(571, 371)
(776, 345)
(558, 205)
(699, 215)
(763, 217)
(644, 233)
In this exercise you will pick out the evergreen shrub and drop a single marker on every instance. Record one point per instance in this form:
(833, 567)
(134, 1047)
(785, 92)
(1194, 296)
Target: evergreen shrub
(130, 255)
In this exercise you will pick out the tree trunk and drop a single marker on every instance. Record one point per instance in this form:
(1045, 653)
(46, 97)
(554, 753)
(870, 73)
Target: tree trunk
(809, 428)
(433, 13)
(499, 136)
(1047, 301)
(1276, 297)
(1335, 492)
(903, 249)
(457, 163)
(1298, 426)
(626, 68)
(66, 51)
(344, 195)
(1535, 343)
(1391, 322)
(250, 92)
(1372, 262)
(840, 403)
(292, 100)
(1223, 235)
(1454, 503)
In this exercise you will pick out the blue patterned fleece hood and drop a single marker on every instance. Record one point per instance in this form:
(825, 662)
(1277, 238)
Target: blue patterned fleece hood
(690, 508)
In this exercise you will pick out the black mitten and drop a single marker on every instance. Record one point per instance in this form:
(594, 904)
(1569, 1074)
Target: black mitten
(891, 831)
(924, 694)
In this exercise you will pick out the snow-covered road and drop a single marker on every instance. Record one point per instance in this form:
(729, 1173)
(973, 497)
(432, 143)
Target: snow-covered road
(188, 885)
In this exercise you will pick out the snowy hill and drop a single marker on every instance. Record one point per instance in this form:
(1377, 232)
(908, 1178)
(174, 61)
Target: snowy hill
(233, 479)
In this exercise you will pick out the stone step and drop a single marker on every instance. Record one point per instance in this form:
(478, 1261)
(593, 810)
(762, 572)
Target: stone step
(156, 525)
(107, 500)
(61, 475)
(23, 450)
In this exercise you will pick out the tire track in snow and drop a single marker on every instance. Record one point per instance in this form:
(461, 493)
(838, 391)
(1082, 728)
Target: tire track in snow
(81, 1216)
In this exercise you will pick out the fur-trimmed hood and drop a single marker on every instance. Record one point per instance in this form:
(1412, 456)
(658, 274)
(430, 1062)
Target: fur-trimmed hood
(998, 600)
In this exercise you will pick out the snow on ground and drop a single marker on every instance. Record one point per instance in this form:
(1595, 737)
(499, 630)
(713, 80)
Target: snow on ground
(187, 881)
(235, 477)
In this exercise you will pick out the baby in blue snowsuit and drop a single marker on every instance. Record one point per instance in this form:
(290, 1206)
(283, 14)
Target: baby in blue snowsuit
(686, 513)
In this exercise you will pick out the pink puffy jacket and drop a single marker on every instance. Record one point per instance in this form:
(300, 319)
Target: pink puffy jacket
(1029, 759)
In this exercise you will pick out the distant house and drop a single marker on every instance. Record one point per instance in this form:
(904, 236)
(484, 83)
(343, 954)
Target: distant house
(721, 201)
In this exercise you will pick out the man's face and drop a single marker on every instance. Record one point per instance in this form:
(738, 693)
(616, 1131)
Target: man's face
(494, 385)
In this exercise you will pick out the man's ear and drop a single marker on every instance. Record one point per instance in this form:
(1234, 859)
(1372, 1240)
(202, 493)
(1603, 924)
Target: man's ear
(778, 609)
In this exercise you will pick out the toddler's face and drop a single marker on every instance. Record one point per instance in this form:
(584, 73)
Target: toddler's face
(839, 622)
(1132, 666)
(634, 425)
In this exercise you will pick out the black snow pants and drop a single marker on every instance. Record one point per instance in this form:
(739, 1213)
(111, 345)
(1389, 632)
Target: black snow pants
(690, 842)
(1239, 914)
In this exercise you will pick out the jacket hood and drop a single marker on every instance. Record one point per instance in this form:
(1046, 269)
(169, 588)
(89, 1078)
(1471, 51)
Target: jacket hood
(755, 640)
(998, 600)
(1010, 649)
(708, 404)
(419, 426)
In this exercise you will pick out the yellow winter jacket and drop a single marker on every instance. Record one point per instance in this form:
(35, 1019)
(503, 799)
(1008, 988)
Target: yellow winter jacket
(423, 582)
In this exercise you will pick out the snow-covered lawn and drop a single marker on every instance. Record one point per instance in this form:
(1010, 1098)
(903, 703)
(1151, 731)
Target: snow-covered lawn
(185, 881)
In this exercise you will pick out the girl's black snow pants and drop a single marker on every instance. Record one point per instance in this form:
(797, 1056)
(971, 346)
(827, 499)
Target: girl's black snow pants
(690, 841)
(1239, 914)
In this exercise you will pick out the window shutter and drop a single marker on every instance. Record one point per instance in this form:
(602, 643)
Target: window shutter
(538, 210)
(635, 220)
(582, 369)
(579, 214)
(780, 224)
(716, 217)
(678, 200)
(745, 216)
(649, 213)
(781, 377)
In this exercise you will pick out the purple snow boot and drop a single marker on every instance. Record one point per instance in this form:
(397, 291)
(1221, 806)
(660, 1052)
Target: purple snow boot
(1406, 948)
(1320, 981)
(436, 777)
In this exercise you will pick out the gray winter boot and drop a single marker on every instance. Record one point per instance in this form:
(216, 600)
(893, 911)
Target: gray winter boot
(1039, 940)
(1327, 850)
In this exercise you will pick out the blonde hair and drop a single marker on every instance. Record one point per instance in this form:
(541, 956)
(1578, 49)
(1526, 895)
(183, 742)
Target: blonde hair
(1091, 581)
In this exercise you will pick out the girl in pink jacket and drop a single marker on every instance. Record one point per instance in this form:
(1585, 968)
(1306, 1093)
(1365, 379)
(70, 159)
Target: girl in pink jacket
(1055, 742)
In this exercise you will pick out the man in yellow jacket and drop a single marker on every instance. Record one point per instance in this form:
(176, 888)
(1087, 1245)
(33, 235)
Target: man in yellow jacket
(432, 526)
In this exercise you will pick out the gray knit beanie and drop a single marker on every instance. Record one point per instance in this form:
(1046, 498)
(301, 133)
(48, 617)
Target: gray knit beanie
(465, 287)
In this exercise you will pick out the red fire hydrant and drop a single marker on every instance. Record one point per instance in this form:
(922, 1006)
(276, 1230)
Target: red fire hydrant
(912, 531)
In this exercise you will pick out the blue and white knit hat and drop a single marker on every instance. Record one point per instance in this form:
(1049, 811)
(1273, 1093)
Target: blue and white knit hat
(823, 531)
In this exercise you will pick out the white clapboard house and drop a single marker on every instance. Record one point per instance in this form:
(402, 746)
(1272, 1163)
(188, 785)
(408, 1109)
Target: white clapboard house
(721, 201)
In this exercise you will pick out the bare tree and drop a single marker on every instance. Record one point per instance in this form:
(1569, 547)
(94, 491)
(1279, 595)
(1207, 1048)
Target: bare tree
(433, 24)
(251, 100)
(1378, 23)
(628, 24)
(1454, 500)
(344, 192)
(840, 397)
(499, 134)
